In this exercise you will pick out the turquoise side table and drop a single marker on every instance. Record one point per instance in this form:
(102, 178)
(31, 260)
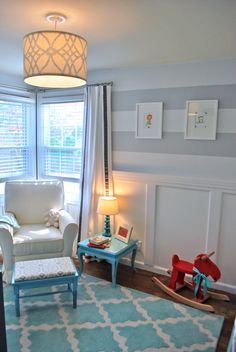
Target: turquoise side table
(112, 254)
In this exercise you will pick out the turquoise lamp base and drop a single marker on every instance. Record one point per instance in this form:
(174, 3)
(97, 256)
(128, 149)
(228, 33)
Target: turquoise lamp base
(107, 228)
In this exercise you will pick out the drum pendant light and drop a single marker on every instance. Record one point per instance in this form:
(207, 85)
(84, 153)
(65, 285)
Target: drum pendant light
(55, 59)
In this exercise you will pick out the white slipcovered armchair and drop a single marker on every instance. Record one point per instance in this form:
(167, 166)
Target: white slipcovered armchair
(29, 202)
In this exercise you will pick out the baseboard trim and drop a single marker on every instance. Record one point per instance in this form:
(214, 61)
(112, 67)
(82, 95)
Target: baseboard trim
(163, 271)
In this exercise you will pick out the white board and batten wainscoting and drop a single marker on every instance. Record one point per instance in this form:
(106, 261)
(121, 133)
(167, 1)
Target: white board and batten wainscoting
(182, 215)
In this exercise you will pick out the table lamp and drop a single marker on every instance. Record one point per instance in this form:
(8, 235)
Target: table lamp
(107, 206)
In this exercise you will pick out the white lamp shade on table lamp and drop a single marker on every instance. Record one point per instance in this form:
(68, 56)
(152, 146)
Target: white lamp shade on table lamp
(107, 206)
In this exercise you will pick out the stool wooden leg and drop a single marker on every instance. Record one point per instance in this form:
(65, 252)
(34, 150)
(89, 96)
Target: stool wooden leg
(17, 300)
(74, 292)
(81, 262)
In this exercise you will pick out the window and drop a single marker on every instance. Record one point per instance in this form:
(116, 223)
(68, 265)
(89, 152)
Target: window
(61, 132)
(55, 151)
(17, 138)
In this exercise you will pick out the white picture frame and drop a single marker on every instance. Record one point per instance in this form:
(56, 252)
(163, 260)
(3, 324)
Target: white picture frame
(149, 120)
(123, 232)
(201, 119)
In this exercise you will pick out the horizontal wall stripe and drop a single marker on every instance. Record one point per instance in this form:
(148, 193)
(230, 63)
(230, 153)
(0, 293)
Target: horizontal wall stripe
(173, 164)
(181, 74)
(226, 121)
(175, 98)
(123, 121)
(174, 143)
(173, 121)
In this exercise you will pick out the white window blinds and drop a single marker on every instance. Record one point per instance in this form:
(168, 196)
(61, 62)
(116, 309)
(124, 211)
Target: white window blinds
(16, 138)
(61, 132)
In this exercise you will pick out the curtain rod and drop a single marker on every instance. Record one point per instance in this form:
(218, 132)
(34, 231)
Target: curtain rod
(42, 90)
(100, 84)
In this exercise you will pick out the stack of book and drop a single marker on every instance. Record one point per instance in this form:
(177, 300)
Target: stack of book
(99, 241)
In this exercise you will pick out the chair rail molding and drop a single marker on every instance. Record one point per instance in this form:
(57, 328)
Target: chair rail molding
(182, 215)
(201, 183)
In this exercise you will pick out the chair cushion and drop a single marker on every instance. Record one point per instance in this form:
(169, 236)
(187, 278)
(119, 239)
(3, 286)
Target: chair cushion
(37, 239)
(44, 268)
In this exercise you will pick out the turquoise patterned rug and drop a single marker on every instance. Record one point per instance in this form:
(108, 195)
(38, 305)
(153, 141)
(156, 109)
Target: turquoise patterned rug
(107, 319)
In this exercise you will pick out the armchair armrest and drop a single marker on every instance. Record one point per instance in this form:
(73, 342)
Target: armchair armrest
(69, 230)
(6, 244)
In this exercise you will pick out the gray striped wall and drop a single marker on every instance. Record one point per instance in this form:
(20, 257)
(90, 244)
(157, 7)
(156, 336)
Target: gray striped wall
(174, 99)
(172, 142)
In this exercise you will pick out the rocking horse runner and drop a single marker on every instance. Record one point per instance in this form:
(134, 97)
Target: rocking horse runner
(202, 267)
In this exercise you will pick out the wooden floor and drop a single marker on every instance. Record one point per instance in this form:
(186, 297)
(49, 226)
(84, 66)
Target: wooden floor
(142, 280)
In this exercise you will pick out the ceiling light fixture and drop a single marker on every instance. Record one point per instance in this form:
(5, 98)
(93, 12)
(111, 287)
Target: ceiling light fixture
(55, 59)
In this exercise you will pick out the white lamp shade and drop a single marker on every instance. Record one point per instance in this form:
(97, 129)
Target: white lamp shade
(107, 206)
(54, 59)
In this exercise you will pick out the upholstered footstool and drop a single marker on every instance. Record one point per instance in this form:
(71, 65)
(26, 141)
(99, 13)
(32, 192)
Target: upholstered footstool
(44, 272)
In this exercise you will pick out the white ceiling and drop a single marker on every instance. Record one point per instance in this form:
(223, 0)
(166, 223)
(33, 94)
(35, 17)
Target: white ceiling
(125, 33)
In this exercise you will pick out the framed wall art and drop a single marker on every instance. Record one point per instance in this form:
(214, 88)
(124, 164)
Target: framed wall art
(201, 119)
(149, 120)
(123, 232)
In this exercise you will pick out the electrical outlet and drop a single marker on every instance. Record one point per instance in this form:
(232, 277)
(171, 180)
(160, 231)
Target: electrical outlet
(139, 245)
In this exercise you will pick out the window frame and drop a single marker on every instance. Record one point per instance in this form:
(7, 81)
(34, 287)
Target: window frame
(10, 95)
(54, 97)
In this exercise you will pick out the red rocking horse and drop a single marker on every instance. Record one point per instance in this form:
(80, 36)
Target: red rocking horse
(202, 267)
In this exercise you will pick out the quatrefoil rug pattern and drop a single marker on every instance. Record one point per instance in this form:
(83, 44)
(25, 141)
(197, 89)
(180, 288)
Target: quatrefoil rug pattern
(107, 319)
